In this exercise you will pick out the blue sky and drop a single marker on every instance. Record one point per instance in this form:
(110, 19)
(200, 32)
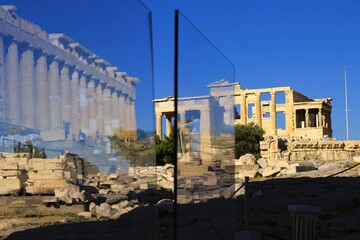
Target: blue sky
(303, 44)
(300, 43)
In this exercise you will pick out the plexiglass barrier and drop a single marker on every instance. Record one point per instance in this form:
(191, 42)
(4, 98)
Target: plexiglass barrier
(205, 137)
(76, 91)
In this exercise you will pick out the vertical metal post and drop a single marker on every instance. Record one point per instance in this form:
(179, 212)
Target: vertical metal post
(176, 69)
(246, 215)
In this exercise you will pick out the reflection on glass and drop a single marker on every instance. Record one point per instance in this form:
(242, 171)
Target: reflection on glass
(75, 102)
(205, 107)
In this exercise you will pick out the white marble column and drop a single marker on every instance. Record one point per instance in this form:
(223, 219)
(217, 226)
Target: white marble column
(273, 112)
(115, 111)
(54, 95)
(84, 111)
(75, 104)
(99, 108)
(168, 124)
(119, 108)
(132, 116)
(258, 114)
(12, 84)
(122, 111)
(65, 93)
(92, 107)
(2, 81)
(107, 111)
(42, 115)
(27, 83)
(127, 113)
(243, 107)
(159, 125)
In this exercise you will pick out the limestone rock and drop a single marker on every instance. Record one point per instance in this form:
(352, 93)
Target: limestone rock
(271, 171)
(85, 196)
(282, 164)
(247, 159)
(329, 167)
(116, 198)
(262, 162)
(356, 159)
(292, 169)
(103, 211)
(317, 163)
(92, 209)
(68, 194)
(86, 215)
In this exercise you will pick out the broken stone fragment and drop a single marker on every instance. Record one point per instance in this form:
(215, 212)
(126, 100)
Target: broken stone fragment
(282, 164)
(68, 194)
(86, 215)
(262, 162)
(270, 171)
(103, 211)
(247, 159)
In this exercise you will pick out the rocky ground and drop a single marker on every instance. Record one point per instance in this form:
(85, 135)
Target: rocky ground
(140, 213)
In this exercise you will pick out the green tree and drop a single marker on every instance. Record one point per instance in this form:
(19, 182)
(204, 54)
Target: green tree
(247, 139)
(165, 149)
(137, 152)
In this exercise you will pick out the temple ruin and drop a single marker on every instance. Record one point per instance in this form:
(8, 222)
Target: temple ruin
(54, 86)
(303, 116)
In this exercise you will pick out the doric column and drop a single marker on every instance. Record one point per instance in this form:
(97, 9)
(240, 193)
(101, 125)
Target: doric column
(258, 114)
(42, 116)
(2, 81)
(122, 111)
(84, 112)
(27, 83)
(119, 109)
(75, 104)
(99, 108)
(243, 107)
(132, 116)
(91, 92)
(114, 111)
(126, 112)
(273, 112)
(54, 95)
(107, 111)
(12, 84)
(159, 125)
(65, 93)
(168, 124)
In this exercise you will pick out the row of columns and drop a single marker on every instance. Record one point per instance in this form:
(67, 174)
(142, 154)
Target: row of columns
(258, 112)
(43, 92)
